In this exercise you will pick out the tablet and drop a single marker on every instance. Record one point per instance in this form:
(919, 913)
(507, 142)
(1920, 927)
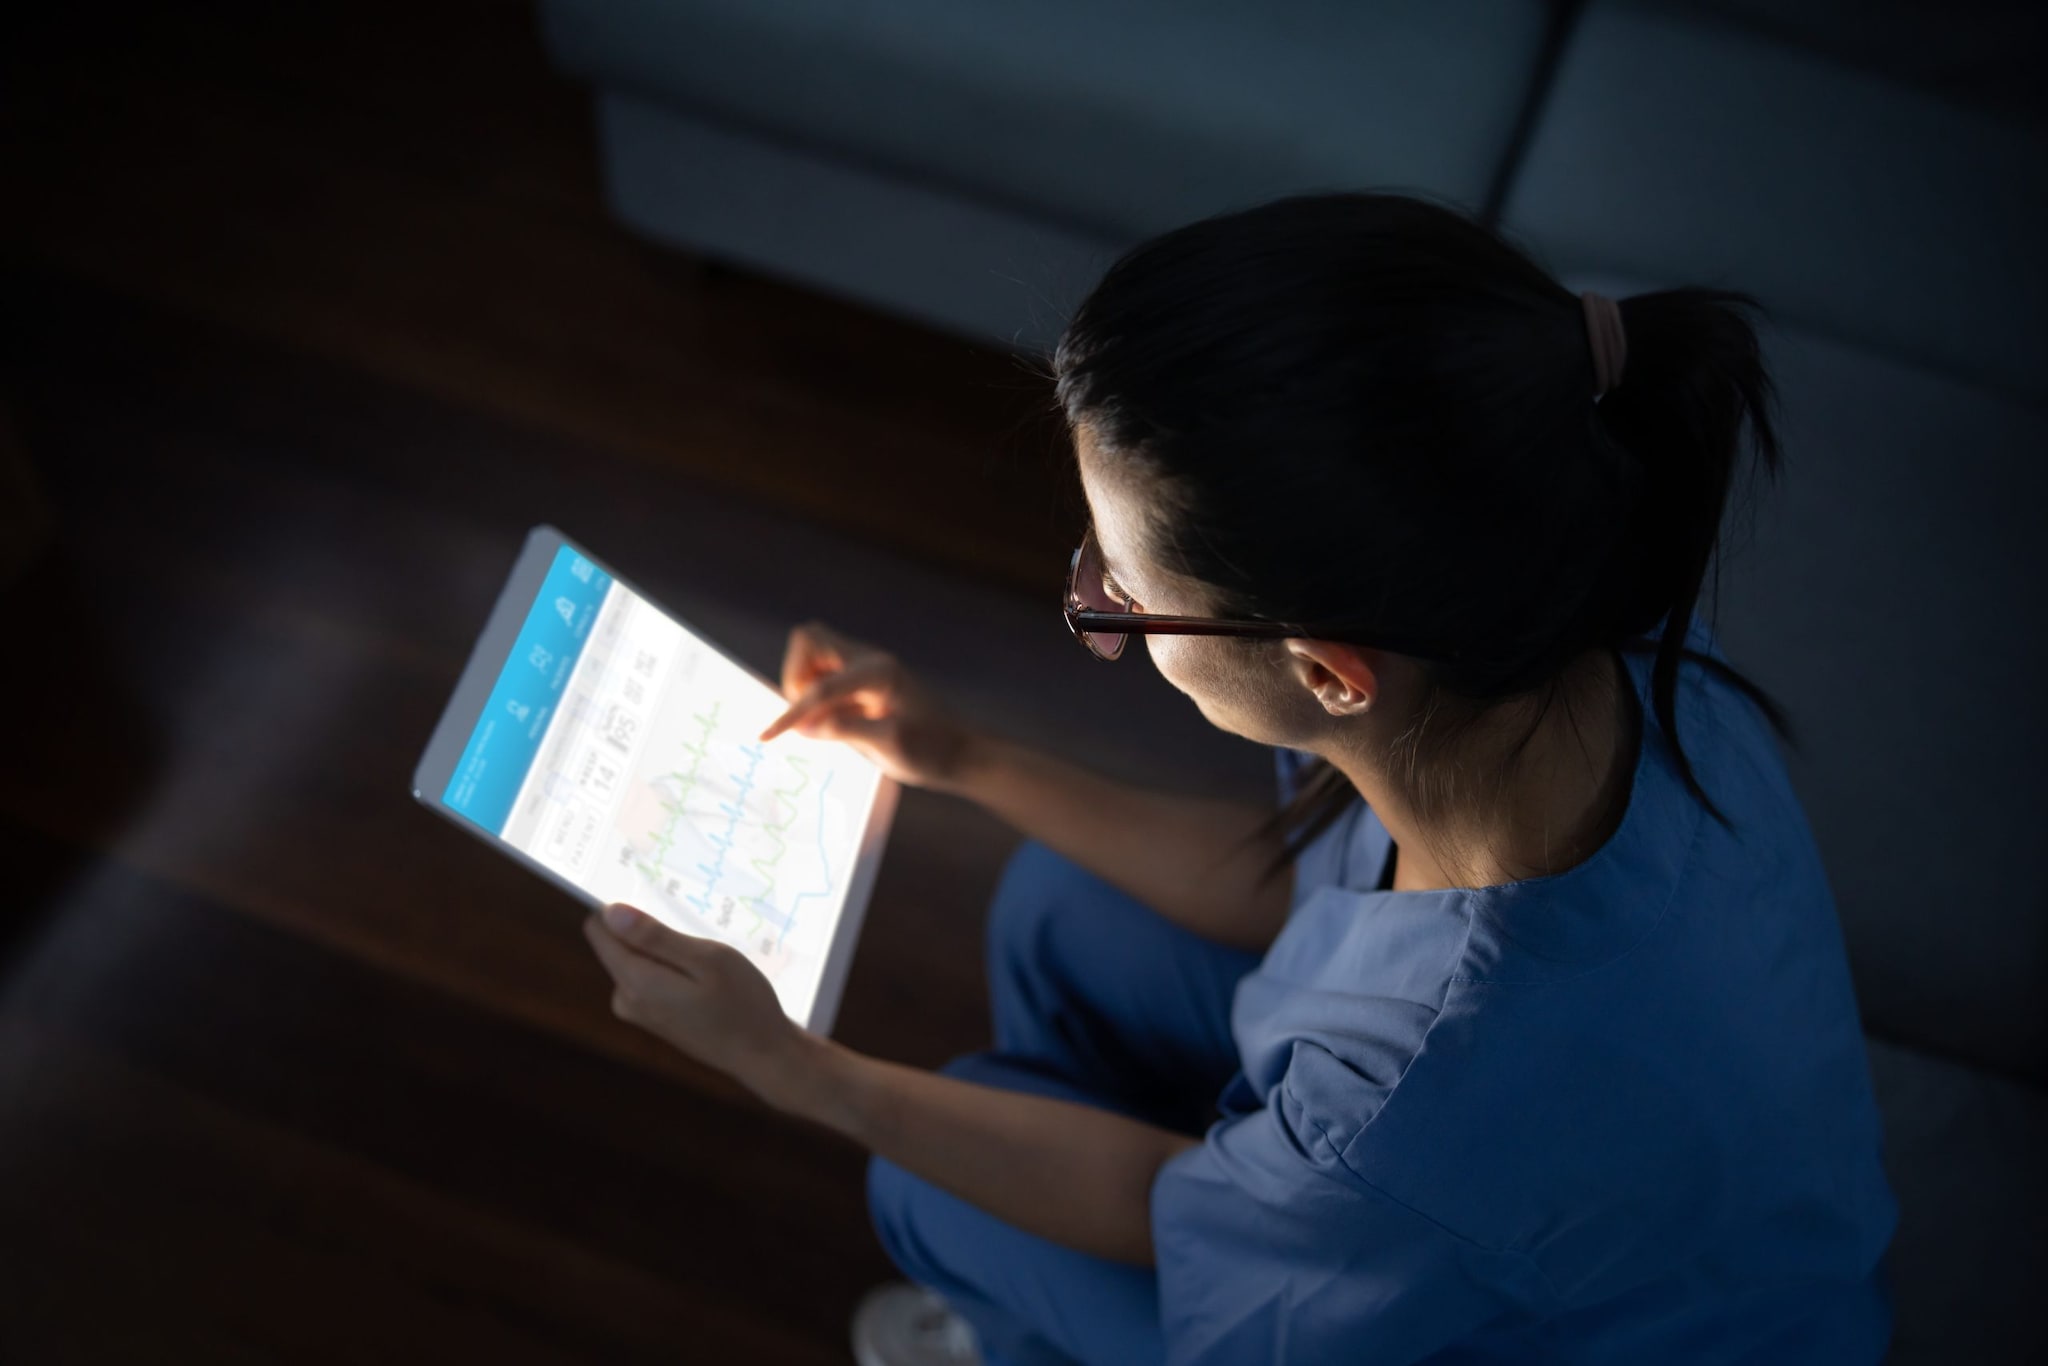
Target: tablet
(601, 742)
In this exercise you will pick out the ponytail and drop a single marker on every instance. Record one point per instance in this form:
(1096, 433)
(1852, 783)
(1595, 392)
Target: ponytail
(1695, 380)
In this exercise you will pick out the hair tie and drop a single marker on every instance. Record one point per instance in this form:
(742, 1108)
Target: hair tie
(1609, 342)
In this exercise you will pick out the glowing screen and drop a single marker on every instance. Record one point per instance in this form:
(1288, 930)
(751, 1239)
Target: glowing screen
(618, 750)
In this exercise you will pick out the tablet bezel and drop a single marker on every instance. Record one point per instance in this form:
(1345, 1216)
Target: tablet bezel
(464, 710)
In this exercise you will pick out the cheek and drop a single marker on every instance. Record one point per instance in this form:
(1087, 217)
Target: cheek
(1230, 692)
(1201, 669)
(1171, 657)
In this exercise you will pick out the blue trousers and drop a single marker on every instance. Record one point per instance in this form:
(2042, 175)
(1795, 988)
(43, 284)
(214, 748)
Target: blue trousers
(1097, 999)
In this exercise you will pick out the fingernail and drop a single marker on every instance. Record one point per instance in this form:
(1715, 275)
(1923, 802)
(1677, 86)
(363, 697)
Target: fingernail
(620, 917)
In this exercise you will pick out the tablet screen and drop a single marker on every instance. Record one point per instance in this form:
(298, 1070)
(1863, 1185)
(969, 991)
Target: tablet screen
(618, 750)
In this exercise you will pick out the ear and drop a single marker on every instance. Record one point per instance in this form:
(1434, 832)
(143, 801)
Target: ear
(1344, 678)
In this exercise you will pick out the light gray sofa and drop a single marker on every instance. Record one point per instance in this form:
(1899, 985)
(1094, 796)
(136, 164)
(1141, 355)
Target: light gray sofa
(1879, 180)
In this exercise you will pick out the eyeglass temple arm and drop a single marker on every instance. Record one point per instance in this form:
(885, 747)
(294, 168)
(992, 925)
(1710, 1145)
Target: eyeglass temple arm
(1136, 624)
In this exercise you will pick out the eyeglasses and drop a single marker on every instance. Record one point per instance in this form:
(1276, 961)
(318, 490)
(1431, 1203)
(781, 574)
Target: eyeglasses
(1103, 622)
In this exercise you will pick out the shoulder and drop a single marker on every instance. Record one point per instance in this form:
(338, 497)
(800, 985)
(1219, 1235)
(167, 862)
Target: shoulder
(1345, 998)
(1272, 1246)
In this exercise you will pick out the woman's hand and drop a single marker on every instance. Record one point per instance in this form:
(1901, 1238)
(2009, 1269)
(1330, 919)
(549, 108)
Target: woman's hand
(1066, 1171)
(843, 689)
(704, 997)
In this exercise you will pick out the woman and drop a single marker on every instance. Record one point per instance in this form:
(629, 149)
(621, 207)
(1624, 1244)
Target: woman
(1547, 1048)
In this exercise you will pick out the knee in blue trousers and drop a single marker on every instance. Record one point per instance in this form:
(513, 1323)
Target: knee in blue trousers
(1097, 999)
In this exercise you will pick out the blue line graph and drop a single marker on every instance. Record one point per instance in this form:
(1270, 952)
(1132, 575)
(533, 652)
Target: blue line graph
(824, 864)
(743, 783)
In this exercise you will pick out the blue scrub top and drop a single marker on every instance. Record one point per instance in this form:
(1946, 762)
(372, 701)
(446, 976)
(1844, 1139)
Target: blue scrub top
(1620, 1114)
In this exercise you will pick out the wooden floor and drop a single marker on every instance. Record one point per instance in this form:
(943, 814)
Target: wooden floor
(309, 312)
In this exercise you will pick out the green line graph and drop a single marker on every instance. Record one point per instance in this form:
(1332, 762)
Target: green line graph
(771, 822)
(767, 866)
(707, 722)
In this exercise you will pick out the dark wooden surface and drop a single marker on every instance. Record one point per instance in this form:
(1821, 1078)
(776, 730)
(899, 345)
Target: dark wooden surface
(292, 1069)
(309, 313)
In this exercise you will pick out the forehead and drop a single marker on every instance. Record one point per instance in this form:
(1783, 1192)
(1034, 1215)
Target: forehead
(1114, 506)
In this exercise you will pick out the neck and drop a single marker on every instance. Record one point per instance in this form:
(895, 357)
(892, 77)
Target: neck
(1560, 802)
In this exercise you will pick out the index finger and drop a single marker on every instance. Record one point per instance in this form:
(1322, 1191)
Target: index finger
(833, 688)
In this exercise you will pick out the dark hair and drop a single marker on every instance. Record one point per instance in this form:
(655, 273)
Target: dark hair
(1370, 411)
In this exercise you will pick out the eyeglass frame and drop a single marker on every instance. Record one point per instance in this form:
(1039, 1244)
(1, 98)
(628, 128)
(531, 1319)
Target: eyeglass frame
(1083, 621)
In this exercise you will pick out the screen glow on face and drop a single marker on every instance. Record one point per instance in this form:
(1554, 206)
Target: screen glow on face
(618, 751)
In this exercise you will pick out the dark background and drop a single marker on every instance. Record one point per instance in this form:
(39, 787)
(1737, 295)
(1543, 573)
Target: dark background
(311, 310)
(308, 311)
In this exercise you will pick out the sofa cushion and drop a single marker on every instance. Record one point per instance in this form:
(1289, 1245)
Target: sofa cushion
(1120, 118)
(898, 246)
(1865, 211)
(1964, 1154)
(1887, 593)
(1985, 53)
(1893, 598)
